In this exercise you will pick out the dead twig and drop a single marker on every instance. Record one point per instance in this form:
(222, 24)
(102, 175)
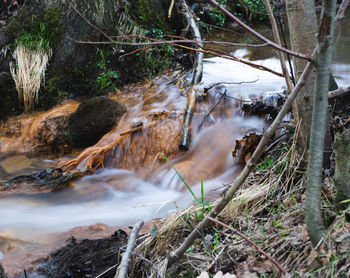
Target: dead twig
(228, 83)
(135, 129)
(250, 242)
(211, 110)
(124, 265)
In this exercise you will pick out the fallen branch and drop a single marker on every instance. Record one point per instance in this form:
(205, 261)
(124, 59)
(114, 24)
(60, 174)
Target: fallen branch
(196, 79)
(135, 129)
(250, 242)
(221, 204)
(338, 92)
(211, 110)
(124, 265)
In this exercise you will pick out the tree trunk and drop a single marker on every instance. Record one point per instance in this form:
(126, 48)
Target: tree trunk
(313, 214)
(303, 30)
(342, 166)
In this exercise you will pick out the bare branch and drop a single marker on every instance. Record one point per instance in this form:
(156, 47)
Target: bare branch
(258, 35)
(159, 42)
(250, 242)
(123, 273)
(278, 41)
(341, 11)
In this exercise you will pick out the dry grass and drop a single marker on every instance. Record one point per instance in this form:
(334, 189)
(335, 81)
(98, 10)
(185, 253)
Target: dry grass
(28, 73)
(269, 210)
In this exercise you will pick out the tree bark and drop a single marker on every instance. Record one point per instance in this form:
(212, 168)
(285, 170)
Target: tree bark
(303, 30)
(196, 79)
(313, 214)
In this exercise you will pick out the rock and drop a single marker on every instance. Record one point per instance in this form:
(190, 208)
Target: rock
(8, 93)
(93, 119)
(15, 163)
(2, 272)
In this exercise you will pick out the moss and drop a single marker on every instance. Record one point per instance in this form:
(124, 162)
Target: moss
(36, 27)
(142, 12)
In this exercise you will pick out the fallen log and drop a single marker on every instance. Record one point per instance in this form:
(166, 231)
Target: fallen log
(197, 77)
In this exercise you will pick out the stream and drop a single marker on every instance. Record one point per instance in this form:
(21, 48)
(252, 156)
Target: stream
(128, 187)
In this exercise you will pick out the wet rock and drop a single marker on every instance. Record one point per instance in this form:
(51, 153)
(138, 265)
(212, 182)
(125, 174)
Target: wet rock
(45, 180)
(93, 119)
(16, 163)
(40, 132)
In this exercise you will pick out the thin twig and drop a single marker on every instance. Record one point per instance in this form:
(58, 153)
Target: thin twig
(124, 265)
(249, 241)
(159, 42)
(228, 83)
(89, 22)
(258, 35)
(225, 55)
(211, 110)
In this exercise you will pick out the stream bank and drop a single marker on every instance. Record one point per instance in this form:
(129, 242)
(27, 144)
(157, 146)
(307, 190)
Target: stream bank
(104, 195)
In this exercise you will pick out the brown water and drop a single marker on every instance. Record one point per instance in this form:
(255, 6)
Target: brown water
(126, 189)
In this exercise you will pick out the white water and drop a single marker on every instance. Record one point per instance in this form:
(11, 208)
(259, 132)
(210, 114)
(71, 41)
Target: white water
(119, 197)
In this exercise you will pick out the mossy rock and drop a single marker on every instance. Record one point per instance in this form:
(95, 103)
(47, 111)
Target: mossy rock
(93, 119)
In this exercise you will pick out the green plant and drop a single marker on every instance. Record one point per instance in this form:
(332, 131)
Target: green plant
(43, 31)
(217, 17)
(106, 78)
(266, 164)
(204, 204)
(253, 9)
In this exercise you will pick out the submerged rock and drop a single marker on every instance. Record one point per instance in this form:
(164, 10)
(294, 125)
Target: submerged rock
(93, 119)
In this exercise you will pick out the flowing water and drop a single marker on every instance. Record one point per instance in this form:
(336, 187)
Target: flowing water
(126, 189)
